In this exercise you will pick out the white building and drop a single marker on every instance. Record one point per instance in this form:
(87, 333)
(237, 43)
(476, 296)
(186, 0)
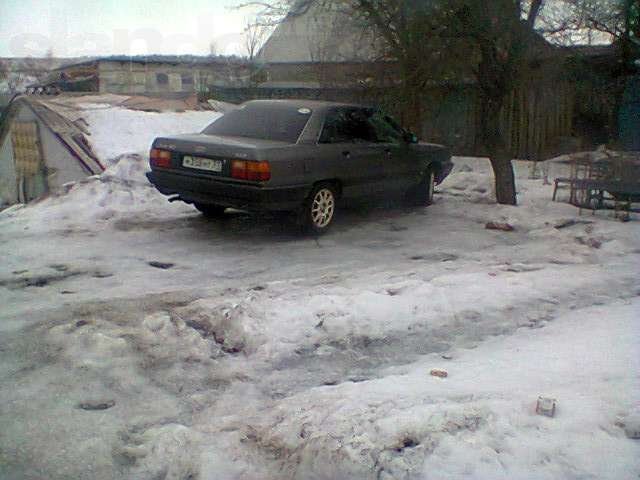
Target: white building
(314, 33)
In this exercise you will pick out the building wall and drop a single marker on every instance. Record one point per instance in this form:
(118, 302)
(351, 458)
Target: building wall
(31, 187)
(318, 34)
(8, 183)
(159, 78)
(326, 74)
(124, 77)
(61, 166)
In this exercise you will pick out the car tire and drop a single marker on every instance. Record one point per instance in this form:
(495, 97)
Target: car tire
(318, 211)
(210, 211)
(422, 194)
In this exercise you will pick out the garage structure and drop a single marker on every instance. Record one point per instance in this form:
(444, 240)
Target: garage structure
(162, 75)
(40, 150)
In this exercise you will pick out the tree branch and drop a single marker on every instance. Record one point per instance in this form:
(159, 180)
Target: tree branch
(534, 11)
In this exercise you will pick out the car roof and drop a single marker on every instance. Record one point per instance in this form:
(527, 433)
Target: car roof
(299, 103)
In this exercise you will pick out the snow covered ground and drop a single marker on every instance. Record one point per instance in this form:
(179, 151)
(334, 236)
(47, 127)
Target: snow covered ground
(139, 340)
(116, 130)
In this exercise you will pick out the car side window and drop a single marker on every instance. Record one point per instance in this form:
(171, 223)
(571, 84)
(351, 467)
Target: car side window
(386, 130)
(347, 125)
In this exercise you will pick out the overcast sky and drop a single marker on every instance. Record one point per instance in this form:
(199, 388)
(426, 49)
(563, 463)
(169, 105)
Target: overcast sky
(106, 27)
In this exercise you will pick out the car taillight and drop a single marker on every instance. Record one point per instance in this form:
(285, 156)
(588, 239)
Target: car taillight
(248, 170)
(160, 158)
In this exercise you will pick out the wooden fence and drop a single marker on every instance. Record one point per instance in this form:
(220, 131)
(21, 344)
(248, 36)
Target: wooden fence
(537, 122)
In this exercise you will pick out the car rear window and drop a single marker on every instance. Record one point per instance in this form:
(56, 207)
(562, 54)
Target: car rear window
(283, 123)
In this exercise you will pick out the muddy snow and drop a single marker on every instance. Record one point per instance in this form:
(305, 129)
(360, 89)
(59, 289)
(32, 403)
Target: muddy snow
(139, 340)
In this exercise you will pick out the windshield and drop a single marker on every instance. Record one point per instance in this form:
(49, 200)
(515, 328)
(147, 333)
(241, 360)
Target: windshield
(282, 123)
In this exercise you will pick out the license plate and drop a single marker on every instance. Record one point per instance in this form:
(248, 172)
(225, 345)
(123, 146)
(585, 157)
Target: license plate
(201, 163)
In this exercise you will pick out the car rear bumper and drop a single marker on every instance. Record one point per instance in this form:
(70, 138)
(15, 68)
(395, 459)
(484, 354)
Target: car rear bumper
(200, 189)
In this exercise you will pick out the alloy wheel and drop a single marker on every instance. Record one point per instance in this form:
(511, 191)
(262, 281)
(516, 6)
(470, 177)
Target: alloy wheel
(322, 208)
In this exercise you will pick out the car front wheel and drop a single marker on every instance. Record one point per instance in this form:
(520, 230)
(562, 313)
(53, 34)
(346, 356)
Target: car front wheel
(422, 194)
(319, 209)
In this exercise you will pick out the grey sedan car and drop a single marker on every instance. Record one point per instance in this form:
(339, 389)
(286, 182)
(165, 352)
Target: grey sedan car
(299, 156)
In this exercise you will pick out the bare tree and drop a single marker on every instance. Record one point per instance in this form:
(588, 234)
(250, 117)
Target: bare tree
(504, 46)
(568, 22)
(272, 12)
(255, 34)
(611, 21)
(422, 36)
(606, 16)
(488, 39)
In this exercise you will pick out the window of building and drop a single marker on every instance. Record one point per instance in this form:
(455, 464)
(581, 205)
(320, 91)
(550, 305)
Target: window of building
(187, 79)
(162, 78)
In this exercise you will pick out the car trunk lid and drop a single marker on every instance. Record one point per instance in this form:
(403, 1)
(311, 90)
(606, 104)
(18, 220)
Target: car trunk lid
(218, 146)
(212, 155)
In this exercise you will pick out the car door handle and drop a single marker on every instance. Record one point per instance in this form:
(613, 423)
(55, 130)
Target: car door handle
(346, 153)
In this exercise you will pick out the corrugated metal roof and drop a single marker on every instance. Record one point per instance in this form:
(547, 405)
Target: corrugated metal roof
(65, 129)
(169, 59)
(70, 134)
(64, 115)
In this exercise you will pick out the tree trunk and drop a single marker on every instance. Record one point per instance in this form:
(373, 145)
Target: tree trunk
(411, 101)
(494, 144)
(414, 110)
(504, 178)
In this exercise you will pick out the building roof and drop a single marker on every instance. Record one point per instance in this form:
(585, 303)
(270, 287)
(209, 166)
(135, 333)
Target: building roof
(313, 32)
(166, 59)
(63, 127)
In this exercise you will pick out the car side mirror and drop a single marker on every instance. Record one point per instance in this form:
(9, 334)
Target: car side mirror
(410, 137)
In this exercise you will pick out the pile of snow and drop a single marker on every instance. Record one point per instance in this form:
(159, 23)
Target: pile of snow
(121, 191)
(130, 168)
(331, 318)
(472, 178)
(115, 131)
(480, 421)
